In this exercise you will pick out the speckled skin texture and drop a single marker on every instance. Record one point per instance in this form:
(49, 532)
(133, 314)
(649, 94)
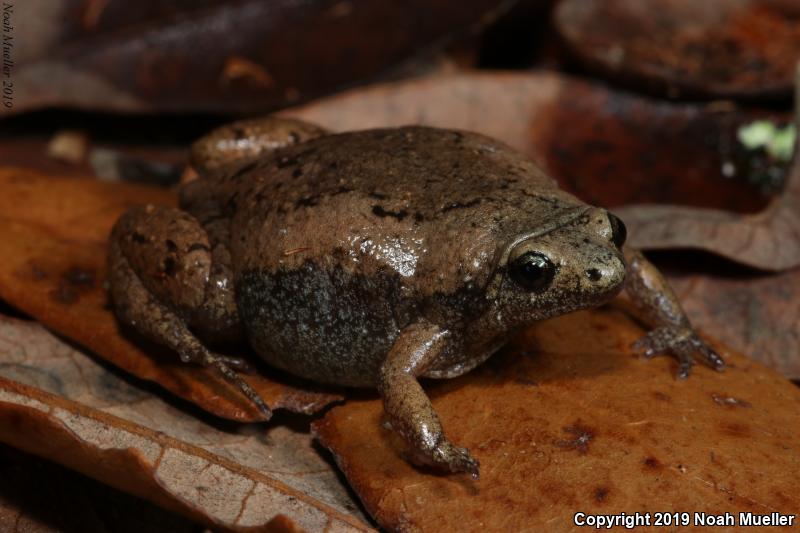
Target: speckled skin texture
(372, 258)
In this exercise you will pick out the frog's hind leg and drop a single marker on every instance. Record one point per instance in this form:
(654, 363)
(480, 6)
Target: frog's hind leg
(165, 278)
(245, 140)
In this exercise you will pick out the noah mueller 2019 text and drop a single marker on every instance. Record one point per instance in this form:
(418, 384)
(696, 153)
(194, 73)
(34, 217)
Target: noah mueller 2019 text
(8, 54)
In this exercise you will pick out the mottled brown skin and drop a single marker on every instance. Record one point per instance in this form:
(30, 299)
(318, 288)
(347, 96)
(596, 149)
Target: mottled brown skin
(373, 258)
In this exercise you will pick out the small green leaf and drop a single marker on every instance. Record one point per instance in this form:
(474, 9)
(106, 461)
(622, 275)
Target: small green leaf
(756, 134)
(781, 146)
(777, 142)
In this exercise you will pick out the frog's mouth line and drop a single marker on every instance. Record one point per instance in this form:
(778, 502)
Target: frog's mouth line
(560, 221)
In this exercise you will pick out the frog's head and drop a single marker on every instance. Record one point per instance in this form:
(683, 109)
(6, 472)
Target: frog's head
(573, 262)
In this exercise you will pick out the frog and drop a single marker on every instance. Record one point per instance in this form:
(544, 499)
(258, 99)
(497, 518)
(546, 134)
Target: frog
(376, 258)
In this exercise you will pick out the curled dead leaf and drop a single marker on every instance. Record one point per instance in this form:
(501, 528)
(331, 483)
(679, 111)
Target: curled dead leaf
(38, 496)
(756, 313)
(769, 240)
(61, 404)
(567, 420)
(180, 56)
(178, 477)
(54, 245)
(714, 48)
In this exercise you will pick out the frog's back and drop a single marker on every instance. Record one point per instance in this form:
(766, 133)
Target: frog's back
(379, 187)
(340, 242)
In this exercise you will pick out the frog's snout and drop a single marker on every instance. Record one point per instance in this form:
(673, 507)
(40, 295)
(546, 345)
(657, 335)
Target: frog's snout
(606, 274)
(601, 273)
(594, 274)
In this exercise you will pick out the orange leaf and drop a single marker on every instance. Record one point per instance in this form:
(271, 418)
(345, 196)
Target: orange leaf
(54, 249)
(568, 420)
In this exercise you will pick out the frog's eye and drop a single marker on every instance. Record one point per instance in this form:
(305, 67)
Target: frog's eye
(533, 270)
(618, 231)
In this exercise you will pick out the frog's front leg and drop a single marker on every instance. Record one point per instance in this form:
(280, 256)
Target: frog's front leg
(408, 406)
(166, 276)
(672, 332)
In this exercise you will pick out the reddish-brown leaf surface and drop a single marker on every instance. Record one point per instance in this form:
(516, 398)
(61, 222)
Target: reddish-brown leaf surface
(59, 403)
(235, 56)
(54, 249)
(613, 148)
(570, 420)
(713, 48)
(769, 240)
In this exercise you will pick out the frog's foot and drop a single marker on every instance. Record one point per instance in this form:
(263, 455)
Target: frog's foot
(683, 343)
(444, 455)
(191, 351)
(239, 364)
(158, 278)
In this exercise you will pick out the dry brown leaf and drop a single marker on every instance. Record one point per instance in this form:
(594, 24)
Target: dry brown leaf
(713, 48)
(37, 496)
(570, 420)
(605, 146)
(768, 240)
(503, 105)
(180, 56)
(756, 314)
(54, 249)
(59, 403)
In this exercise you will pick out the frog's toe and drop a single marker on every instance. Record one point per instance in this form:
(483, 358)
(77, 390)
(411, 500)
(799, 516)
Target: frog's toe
(462, 461)
(446, 456)
(656, 342)
(709, 355)
(239, 364)
(681, 342)
(456, 459)
(197, 353)
(644, 346)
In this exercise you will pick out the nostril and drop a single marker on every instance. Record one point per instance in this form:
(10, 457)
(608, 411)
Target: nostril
(594, 274)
